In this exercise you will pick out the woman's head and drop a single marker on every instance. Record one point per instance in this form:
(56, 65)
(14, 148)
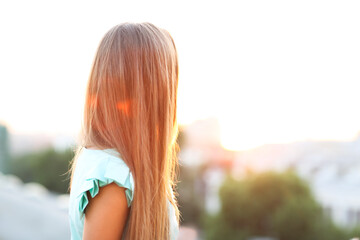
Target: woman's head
(130, 105)
(133, 81)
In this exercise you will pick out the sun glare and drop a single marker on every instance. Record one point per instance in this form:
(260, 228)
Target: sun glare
(238, 134)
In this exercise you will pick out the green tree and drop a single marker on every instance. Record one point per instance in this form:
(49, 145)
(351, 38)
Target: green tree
(191, 197)
(4, 149)
(278, 205)
(47, 167)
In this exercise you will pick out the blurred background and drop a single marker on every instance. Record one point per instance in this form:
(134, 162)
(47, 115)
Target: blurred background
(268, 106)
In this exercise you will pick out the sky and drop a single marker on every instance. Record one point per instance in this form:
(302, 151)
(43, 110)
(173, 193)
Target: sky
(269, 71)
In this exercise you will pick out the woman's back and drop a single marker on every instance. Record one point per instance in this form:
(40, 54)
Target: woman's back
(95, 169)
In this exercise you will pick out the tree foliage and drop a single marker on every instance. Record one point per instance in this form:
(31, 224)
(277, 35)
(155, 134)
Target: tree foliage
(47, 167)
(191, 196)
(277, 205)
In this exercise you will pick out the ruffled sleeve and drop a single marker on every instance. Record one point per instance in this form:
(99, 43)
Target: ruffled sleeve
(105, 172)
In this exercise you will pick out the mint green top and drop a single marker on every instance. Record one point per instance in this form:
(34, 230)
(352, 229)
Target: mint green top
(95, 169)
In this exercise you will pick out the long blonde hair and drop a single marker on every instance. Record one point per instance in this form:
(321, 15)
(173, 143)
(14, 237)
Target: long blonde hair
(130, 105)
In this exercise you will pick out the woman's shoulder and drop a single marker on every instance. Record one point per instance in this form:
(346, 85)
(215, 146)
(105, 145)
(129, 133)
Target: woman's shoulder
(96, 168)
(100, 160)
(98, 154)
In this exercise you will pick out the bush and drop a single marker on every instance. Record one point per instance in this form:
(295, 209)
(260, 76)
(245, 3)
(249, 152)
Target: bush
(191, 199)
(47, 167)
(277, 205)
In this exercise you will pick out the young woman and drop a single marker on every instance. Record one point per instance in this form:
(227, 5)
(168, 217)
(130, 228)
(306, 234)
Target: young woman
(125, 168)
